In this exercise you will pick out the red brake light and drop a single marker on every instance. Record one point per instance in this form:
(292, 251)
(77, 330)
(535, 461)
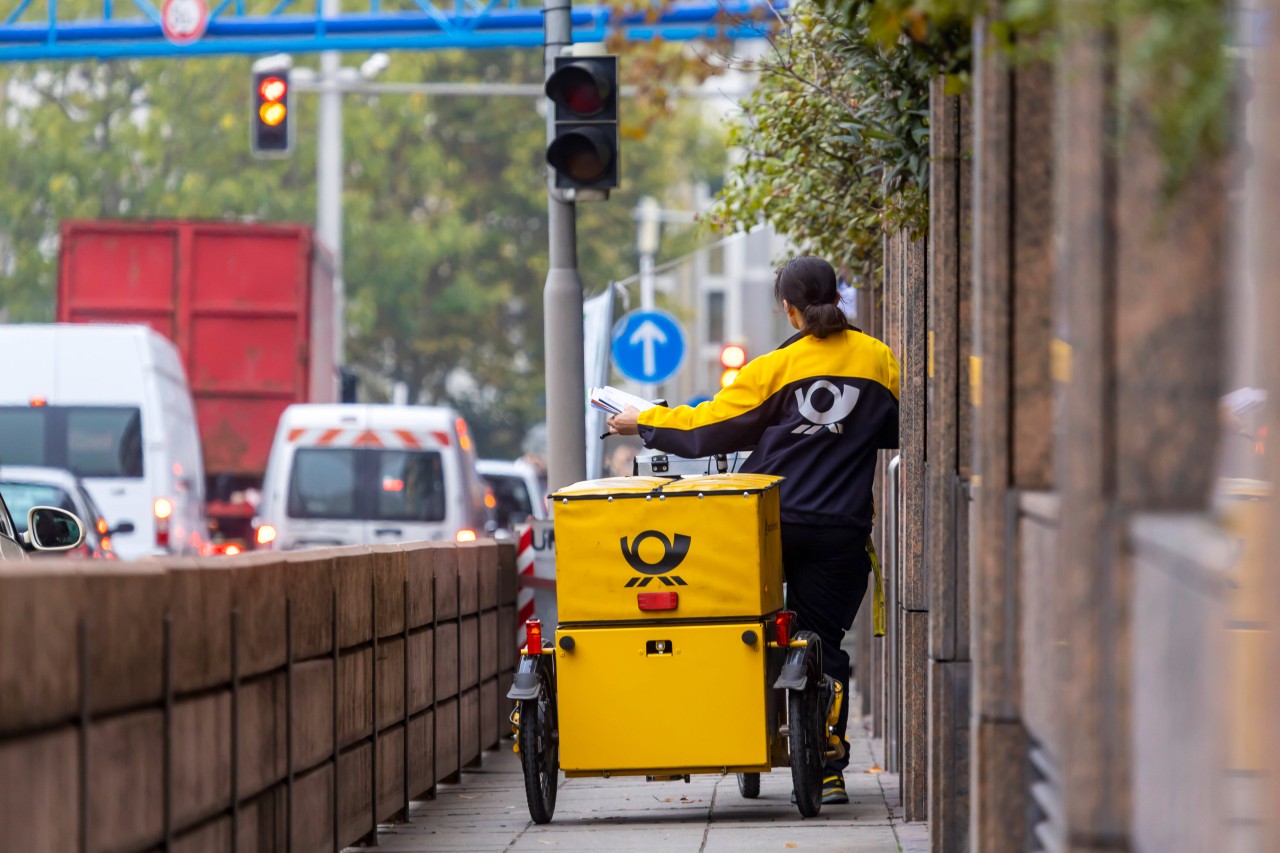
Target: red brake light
(38, 402)
(266, 534)
(533, 631)
(657, 600)
(464, 438)
(465, 535)
(782, 627)
(163, 508)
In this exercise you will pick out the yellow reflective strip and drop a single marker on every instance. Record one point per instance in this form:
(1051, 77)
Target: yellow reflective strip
(975, 380)
(1060, 361)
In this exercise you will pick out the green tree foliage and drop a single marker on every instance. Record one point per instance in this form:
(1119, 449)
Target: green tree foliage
(444, 202)
(835, 140)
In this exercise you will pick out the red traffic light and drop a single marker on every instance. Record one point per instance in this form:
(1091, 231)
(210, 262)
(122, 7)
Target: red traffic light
(582, 88)
(733, 356)
(273, 89)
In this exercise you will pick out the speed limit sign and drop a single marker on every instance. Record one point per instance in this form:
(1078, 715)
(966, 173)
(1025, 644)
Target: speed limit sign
(184, 21)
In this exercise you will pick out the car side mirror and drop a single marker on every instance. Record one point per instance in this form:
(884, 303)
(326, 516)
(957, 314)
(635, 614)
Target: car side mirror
(52, 529)
(122, 527)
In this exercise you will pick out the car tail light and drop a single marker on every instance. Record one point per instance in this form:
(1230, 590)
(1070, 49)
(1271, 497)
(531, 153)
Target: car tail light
(782, 627)
(231, 550)
(464, 437)
(266, 535)
(102, 527)
(37, 402)
(658, 600)
(466, 535)
(533, 631)
(163, 510)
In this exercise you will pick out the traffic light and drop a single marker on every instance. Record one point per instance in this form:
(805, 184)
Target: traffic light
(271, 123)
(584, 150)
(732, 358)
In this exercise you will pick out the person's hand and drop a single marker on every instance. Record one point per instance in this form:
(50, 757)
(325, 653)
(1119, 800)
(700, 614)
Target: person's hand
(625, 422)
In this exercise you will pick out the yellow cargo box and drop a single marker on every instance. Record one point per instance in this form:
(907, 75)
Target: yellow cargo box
(666, 699)
(660, 549)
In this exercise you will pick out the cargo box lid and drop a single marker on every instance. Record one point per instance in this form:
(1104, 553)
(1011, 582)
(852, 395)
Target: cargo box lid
(638, 487)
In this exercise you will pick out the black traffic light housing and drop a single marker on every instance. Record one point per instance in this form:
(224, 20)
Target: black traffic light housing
(584, 149)
(271, 124)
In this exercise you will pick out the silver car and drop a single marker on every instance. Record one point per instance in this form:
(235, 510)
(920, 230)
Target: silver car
(48, 529)
(26, 486)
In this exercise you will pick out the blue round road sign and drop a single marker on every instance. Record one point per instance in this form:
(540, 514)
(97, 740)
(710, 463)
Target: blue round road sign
(648, 346)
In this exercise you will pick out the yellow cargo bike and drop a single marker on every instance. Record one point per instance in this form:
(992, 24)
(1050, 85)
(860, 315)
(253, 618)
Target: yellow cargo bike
(673, 655)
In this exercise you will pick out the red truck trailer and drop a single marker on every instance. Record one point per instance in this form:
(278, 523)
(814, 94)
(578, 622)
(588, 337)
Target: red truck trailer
(249, 306)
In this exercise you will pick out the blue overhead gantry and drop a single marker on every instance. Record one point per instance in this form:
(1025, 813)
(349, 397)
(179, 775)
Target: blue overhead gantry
(110, 29)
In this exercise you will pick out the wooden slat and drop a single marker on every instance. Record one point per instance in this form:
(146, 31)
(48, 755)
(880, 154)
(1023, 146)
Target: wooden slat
(995, 593)
(949, 759)
(1000, 795)
(914, 588)
(1095, 760)
(1032, 404)
(1169, 347)
(914, 696)
(965, 293)
(1264, 191)
(942, 370)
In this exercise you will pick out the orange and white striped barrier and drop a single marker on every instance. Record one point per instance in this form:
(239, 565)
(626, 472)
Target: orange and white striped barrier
(524, 571)
(390, 439)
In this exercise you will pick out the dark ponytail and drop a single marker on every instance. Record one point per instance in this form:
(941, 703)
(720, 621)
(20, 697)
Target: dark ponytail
(809, 284)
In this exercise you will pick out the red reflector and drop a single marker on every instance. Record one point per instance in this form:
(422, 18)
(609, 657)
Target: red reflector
(533, 633)
(657, 600)
(782, 627)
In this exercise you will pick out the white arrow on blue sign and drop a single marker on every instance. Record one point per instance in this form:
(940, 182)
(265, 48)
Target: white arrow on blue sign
(648, 346)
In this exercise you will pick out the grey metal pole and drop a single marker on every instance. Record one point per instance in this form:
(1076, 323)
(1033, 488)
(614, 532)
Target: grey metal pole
(329, 181)
(562, 301)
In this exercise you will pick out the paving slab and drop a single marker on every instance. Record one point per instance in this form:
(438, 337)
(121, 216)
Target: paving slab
(486, 811)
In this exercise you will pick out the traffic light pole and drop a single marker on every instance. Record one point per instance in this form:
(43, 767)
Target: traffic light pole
(329, 181)
(562, 300)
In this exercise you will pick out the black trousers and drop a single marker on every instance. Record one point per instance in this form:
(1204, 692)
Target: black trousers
(826, 571)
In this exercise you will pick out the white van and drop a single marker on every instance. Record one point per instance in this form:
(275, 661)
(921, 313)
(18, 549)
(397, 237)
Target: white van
(364, 474)
(111, 404)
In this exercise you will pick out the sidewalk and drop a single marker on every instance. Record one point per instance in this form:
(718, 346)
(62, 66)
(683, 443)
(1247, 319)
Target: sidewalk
(486, 812)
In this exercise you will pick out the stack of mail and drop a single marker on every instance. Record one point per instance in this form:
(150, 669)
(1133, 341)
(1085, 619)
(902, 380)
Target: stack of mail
(611, 400)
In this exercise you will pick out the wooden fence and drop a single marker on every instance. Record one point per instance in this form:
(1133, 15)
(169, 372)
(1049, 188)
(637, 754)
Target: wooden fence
(254, 703)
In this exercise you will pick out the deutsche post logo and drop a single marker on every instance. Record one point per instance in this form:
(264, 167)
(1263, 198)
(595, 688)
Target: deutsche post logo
(673, 554)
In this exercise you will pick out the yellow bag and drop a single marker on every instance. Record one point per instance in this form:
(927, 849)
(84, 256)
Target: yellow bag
(878, 616)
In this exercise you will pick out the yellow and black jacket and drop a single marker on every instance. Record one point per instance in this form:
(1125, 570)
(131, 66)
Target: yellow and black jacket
(815, 411)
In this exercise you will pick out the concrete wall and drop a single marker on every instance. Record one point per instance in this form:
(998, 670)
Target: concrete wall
(1092, 607)
(280, 701)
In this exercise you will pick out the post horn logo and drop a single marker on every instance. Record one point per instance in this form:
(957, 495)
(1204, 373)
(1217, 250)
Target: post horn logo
(673, 554)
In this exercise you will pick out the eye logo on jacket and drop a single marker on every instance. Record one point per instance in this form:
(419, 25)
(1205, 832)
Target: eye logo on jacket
(843, 400)
(673, 554)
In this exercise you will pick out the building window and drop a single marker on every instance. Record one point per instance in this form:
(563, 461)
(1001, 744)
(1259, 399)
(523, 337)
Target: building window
(715, 316)
(715, 259)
